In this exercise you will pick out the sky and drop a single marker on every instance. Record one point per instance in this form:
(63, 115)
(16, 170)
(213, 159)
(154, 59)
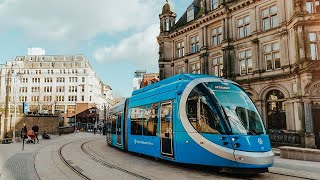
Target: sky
(118, 37)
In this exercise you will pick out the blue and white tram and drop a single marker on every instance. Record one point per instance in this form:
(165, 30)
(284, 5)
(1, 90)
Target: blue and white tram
(194, 119)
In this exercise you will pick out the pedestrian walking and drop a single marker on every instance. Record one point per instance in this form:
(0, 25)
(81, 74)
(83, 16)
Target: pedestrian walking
(95, 128)
(35, 129)
(24, 134)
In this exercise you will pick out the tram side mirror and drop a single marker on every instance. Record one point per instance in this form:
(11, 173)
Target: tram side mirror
(180, 90)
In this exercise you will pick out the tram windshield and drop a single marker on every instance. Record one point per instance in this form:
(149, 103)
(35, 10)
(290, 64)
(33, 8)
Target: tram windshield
(242, 115)
(202, 111)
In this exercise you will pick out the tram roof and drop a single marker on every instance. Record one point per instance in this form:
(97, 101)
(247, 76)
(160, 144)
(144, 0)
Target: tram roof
(173, 81)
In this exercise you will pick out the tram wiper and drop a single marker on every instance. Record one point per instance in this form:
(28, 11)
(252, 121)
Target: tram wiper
(252, 132)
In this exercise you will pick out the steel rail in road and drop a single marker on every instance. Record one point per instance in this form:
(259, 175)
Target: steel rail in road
(292, 176)
(111, 165)
(69, 165)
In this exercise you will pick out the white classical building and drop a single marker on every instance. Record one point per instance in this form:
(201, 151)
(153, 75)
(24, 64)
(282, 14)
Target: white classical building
(138, 76)
(48, 83)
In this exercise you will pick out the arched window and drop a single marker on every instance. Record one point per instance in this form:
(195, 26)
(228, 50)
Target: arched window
(276, 112)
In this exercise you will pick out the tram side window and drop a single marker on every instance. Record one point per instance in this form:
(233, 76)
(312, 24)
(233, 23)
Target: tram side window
(201, 111)
(150, 123)
(113, 123)
(166, 119)
(136, 120)
(119, 123)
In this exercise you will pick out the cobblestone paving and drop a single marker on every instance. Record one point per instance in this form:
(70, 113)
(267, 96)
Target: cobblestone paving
(20, 167)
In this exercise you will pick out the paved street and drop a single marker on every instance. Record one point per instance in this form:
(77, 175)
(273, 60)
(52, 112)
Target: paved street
(89, 155)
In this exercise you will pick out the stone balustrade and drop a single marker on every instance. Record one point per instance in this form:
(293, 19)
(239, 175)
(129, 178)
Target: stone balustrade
(297, 153)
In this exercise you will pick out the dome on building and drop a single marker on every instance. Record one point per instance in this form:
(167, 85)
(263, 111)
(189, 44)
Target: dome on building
(166, 8)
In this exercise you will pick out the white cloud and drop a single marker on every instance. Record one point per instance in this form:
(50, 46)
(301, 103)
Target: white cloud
(139, 49)
(74, 20)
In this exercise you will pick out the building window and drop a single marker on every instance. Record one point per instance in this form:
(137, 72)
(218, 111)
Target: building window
(72, 98)
(47, 89)
(216, 36)
(180, 49)
(217, 66)
(243, 27)
(82, 88)
(190, 13)
(269, 17)
(23, 98)
(214, 4)
(82, 98)
(195, 45)
(180, 70)
(195, 68)
(313, 37)
(272, 56)
(47, 98)
(83, 79)
(60, 98)
(311, 5)
(276, 112)
(72, 88)
(245, 61)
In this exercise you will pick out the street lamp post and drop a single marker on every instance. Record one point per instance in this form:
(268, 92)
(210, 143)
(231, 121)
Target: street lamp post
(17, 79)
(8, 89)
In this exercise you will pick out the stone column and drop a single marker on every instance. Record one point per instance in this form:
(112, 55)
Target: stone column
(300, 44)
(309, 135)
(255, 56)
(281, 8)
(161, 71)
(204, 63)
(186, 66)
(205, 36)
(264, 112)
(290, 119)
(201, 37)
(224, 28)
(172, 69)
(284, 55)
(308, 117)
(228, 61)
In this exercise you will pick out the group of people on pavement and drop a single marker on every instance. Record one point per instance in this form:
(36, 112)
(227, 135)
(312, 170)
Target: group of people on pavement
(31, 136)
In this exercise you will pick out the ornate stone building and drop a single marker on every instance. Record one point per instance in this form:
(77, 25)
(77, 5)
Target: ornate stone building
(271, 48)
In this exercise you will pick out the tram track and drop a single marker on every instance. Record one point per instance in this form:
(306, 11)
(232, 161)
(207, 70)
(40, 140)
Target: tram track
(96, 159)
(68, 164)
(85, 148)
(292, 176)
(109, 165)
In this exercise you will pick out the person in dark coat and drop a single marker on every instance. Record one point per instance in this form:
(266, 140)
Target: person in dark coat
(24, 132)
(35, 129)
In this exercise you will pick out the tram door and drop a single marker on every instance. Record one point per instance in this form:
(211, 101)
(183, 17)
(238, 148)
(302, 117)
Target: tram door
(166, 129)
(119, 117)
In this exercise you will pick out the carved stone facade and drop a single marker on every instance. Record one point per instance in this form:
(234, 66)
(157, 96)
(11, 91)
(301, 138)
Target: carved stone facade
(271, 48)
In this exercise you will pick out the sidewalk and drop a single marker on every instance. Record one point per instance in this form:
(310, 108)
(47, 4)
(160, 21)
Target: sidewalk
(276, 151)
(307, 169)
(16, 163)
